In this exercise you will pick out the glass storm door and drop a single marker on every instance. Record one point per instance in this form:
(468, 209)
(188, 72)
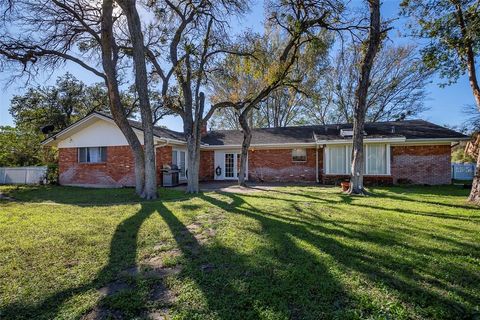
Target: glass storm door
(230, 165)
(179, 159)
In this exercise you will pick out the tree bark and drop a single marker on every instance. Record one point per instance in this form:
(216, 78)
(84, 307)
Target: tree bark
(193, 166)
(360, 109)
(247, 139)
(141, 84)
(472, 78)
(109, 58)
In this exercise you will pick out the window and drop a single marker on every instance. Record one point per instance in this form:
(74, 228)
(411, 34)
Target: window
(376, 159)
(299, 155)
(92, 154)
(337, 156)
(179, 159)
(229, 165)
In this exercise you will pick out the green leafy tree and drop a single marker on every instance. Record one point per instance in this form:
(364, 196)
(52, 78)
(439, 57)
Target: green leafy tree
(287, 104)
(59, 105)
(22, 148)
(452, 28)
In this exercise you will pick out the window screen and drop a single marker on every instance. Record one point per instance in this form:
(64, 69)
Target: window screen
(299, 155)
(340, 159)
(337, 163)
(92, 154)
(377, 159)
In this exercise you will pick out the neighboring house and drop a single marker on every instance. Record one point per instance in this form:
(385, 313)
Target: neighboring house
(94, 152)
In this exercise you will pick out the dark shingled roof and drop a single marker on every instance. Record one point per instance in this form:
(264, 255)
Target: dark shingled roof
(159, 131)
(410, 129)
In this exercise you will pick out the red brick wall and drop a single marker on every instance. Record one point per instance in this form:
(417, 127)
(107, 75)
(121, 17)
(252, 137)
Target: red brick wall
(207, 165)
(422, 164)
(367, 180)
(118, 171)
(164, 156)
(277, 165)
(417, 164)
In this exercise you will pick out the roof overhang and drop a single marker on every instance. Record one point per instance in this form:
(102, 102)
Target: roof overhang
(260, 145)
(435, 141)
(393, 141)
(365, 140)
(92, 118)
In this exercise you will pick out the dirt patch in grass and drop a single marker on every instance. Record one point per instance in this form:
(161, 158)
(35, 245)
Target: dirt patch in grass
(160, 296)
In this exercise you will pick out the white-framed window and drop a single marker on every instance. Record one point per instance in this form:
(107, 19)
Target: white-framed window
(337, 163)
(338, 159)
(299, 155)
(92, 154)
(376, 160)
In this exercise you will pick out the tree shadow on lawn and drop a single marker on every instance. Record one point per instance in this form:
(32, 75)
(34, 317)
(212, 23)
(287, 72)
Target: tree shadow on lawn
(83, 196)
(234, 285)
(400, 193)
(115, 278)
(428, 295)
(280, 278)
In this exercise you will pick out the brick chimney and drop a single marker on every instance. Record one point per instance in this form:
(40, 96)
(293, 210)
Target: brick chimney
(203, 129)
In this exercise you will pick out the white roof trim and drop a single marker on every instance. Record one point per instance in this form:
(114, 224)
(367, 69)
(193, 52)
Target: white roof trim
(396, 140)
(77, 124)
(100, 116)
(366, 140)
(260, 145)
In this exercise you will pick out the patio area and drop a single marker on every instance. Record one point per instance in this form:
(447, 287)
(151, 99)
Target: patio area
(233, 187)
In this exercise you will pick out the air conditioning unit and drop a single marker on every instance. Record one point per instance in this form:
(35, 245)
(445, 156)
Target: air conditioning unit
(346, 132)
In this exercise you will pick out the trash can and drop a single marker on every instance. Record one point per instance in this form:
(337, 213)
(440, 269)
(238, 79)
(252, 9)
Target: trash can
(170, 175)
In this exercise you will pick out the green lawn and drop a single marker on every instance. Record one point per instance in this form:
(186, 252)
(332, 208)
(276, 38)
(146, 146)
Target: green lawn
(287, 253)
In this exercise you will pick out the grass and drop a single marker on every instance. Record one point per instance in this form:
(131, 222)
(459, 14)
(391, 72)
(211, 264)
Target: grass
(287, 253)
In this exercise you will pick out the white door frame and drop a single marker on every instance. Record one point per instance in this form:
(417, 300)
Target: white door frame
(219, 161)
(178, 150)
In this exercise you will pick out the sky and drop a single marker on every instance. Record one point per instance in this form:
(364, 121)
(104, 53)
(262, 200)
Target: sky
(446, 105)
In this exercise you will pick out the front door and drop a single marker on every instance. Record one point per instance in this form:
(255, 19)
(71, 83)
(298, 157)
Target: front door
(227, 165)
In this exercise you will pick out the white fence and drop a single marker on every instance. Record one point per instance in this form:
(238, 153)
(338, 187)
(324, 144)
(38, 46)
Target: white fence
(22, 175)
(463, 171)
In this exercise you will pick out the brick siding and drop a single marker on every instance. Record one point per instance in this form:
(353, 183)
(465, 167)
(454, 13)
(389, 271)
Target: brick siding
(367, 180)
(118, 171)
(163, 157)
(206, 165)
(422, 164)
(415, 164)
(277, 165)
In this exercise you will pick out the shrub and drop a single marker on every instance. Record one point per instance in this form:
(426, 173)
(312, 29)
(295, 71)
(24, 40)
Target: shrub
(52, 173)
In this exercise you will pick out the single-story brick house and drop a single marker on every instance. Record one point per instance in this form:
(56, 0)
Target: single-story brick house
(94, 152)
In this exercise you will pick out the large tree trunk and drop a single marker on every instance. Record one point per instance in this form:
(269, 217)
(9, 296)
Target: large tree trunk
(472, 78)
(247, 139)
(193, 151)
(356, 183)
(475, 192)
(141, 83)
(109, 58)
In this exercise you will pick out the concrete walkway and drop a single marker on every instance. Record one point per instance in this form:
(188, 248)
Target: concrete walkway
(233, 187)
